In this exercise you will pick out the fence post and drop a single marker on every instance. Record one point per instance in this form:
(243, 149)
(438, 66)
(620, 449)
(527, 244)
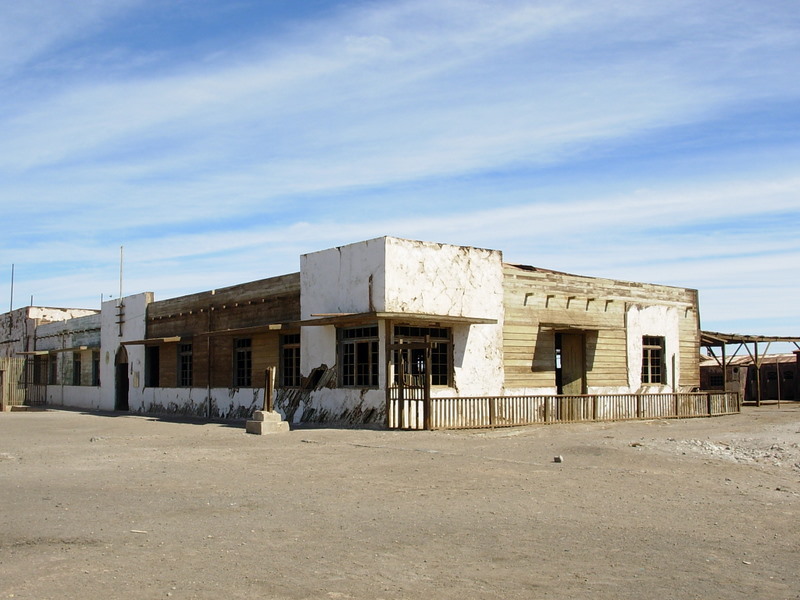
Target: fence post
(708, 399)
(492, 411)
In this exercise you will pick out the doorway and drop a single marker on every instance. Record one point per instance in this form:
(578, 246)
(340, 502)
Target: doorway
(570, 364)
(121, 380)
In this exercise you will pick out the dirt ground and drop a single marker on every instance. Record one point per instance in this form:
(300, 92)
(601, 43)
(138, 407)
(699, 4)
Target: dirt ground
(118, 506)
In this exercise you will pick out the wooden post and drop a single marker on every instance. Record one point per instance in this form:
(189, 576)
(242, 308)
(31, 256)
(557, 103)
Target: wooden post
(401, 383)
(709, 403)
(758, 374)
(269, 384)
(427, 421)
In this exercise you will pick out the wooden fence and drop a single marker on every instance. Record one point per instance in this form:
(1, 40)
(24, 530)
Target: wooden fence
(510, 411)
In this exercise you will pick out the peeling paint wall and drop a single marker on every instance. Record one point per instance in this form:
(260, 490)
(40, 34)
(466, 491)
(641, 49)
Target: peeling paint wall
(18, 328)
(133, 328)
(338, 280)
(232, 403)
(456, 281)
(660, 321)
(404, 276)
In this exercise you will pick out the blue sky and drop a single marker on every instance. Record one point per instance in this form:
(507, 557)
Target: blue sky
(218, 140)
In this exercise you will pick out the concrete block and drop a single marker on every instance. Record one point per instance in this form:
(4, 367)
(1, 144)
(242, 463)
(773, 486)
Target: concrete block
(264, 422)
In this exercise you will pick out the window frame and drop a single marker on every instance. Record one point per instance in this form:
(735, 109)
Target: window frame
(76, 368)
(359, 356)
(185, 368)
(653, 355)
(441, 352)
(95, 368)
(290, 376)
(242, 363)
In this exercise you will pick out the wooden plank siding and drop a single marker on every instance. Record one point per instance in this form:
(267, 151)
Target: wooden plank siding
(538, 302)
(213, 320)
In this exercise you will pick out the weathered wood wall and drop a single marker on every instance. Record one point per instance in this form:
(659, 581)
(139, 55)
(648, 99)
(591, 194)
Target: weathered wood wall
(539, 302)
(225, 314)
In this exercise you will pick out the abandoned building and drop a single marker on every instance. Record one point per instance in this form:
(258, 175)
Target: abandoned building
(755, 375)
(389, 332)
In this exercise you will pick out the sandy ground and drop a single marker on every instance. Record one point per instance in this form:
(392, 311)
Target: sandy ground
(117, 506)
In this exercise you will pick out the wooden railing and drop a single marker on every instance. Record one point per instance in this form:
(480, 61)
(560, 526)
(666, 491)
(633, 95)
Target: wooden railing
(510, 411)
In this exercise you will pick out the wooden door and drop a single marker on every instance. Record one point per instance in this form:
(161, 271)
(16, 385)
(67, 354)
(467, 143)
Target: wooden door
(573, 364)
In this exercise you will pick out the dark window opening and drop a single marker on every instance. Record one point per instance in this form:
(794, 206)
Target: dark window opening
(243, 363)
(95, 368)
(414, 358)
(358, 352)
(652, 359)
(152, 366)
(76, 368)
(185, 358)
(53, 375)
(290, 360)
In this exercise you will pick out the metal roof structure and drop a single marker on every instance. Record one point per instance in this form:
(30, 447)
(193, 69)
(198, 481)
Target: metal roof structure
(714, 339)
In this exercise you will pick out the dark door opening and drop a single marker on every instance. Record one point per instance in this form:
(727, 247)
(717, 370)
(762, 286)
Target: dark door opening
(570, 364)
(121, 380)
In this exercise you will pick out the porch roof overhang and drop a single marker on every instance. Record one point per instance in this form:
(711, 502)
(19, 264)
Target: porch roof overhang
(34, 353)
(372, 316)
(151, 341)
(568, 328)
(715, 338)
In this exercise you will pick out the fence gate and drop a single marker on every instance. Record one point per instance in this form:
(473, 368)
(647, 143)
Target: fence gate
(408, 397)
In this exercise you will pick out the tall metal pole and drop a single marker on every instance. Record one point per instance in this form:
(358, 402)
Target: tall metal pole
(120, 272)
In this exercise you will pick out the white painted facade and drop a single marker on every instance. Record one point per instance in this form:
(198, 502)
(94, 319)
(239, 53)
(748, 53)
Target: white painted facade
(392, 275)
(385, 282)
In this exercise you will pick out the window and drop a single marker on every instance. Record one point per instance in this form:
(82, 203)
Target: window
(184, 365)
(290, 360)
(715, 380)
(95, 368)
(53, 376)
(40, 370)
(358, 354)
(243, 362)
(788, 375)
(772, 376)
(653, 359)
(76, 368)
(152, 366)
(414, 358)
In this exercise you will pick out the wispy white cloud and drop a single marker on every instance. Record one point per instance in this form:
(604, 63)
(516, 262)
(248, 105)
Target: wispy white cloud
(336, 128)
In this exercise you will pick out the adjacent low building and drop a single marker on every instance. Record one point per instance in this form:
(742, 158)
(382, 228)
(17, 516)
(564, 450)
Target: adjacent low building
(361, 329)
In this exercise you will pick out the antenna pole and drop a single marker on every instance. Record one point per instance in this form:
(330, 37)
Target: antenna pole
(120, 272)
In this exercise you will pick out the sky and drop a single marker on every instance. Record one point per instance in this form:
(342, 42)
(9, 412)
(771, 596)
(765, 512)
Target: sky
(218, 140)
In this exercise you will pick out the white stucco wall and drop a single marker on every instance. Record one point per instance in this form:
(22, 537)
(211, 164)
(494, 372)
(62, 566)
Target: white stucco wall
(404, 276)
(337, 280)
(656, 321)
(458, 281)
(133, 328)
